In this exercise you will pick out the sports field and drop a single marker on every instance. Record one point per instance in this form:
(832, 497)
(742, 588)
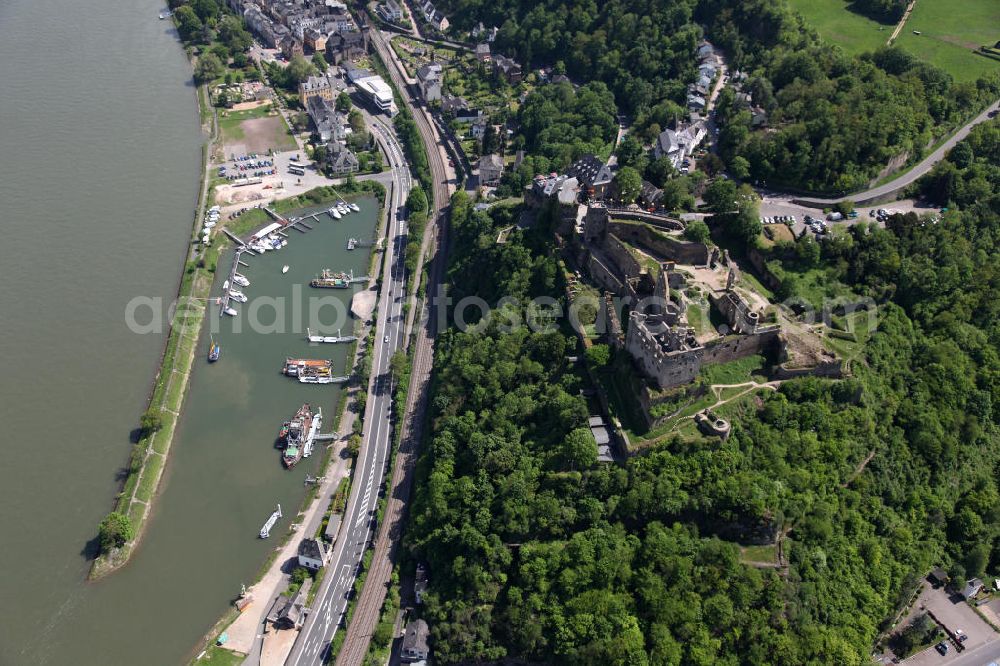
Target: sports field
(837, 24)
(950, 31)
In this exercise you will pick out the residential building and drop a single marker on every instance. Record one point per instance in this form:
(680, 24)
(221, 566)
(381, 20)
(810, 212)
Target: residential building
(593, 174)
(390, 11)
(452, 104)
(312, 554)
(508, 69)
(314, 40)
(340, 159)
(429, 78)
(650, 194)
(479, 128)
(972, 588)
(327, 122)
(468, 115)
(435, 18)
(420, 583)
(696, 102)
(289, 613)
(678, 144)
(291, 47)
(483, 52)
(415, 646)
(490, 169)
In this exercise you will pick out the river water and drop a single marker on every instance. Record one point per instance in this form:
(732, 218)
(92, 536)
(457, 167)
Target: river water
(99, 168)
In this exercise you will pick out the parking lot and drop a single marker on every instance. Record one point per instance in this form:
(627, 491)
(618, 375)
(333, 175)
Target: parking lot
(952, 611)
(776, 207)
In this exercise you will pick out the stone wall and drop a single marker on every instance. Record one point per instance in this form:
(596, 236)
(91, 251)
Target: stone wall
(735, 347)
(603, 275)
(626, 263)
(661, 246)
(832, 369)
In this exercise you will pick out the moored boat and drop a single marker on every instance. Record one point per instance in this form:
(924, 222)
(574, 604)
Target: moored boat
(296, 432)
(231, 311)
(237, 296)
(354, 207)
(284, 269)
(330, 280)
(213, 352)
(241, 280)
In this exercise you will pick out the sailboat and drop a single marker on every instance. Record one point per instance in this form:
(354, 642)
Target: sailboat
(284, 269)
(213, 352)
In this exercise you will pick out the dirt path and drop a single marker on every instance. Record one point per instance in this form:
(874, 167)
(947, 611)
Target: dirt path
(902, 22)
(860, 468)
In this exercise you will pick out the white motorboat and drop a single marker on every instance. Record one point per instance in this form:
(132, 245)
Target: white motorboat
(225, 285)
(237, 296)
(284, 269)
(344, 210)
(334, 213)
(241, 280)
(231, 311)
(355, 207)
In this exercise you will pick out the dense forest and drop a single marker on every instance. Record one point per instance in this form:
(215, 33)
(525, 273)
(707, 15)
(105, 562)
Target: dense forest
(537, 552)
(834, 120)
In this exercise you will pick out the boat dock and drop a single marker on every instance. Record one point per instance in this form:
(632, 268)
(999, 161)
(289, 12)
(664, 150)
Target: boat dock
(330, 338)
(240, 249)
(265, 531)
(355, 242)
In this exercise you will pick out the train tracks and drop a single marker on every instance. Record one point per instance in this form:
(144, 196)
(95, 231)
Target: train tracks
(366, 615)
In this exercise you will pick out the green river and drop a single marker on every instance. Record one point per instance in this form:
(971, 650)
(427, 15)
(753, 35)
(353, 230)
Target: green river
(99, 169)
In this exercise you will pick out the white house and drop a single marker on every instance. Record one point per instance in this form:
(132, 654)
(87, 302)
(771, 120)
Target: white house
(679, 144)
(312, 554)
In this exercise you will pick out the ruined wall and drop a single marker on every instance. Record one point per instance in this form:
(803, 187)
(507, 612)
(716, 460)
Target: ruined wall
(667, 369)
(659, 245)
(735, 347)
(626, 263)
(832, 369)
(603, 275)
(736, 311)
(649, 218)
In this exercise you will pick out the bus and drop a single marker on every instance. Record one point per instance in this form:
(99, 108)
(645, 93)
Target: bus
(297, 170)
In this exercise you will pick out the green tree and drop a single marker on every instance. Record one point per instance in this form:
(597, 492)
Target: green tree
(697, 231)
(579, 449)
(209, 68)
(740, 167)
(628, 184)
(150, 422)
(598, 356)
(721, 196)
(319, 62)
(188, 24)
(298, 70)
(343, 103)
(115, 531)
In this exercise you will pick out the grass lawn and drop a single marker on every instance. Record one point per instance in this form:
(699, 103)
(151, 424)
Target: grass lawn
(233, 130)
(767, 553)
(149, 478)
(734, 372)
(219, 656)
(837, 24)
(950, 31)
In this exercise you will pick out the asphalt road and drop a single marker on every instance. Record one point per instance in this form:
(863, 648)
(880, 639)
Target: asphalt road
(330, 603)
(896, 185)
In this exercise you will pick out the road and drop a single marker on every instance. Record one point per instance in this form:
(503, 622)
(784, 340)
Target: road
(366, 615)
(887, 191)
(330, 603)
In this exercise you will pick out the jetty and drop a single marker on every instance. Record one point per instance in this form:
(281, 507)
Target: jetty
(265, 531)
(233, 272)
(330, 338)
(356, 242)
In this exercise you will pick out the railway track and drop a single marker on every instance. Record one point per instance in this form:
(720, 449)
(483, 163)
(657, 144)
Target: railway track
(366, 615)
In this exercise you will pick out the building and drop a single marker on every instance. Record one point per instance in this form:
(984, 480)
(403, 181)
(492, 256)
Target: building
(340, 160)
(329, 124)
(312, 554)
(415, 642)
(314, 40)
(390, 11)
(433, 17)
(483, 52)
(695, 102)
(650, 194)
(420, 583)
(478, 130)
(429, 78)
(327, 86)
(343, 46)
(467, 115)
(291, 47)
(374, 89)
(679, 144)
(593, 175)
(453, 105)
(972, 588)
(508, 69)
(490, 169)
(289, 613)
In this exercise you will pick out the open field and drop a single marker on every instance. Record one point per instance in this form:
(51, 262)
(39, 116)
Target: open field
(950, 32)
(839, 25)
(254, 131)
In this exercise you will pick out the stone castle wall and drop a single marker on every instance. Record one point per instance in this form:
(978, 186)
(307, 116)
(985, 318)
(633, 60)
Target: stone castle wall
(682, 252)
(628, 266)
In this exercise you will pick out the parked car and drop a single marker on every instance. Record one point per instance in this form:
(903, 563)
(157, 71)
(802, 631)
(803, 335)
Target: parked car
(835, 216)
(942, 648)
(853, 214)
